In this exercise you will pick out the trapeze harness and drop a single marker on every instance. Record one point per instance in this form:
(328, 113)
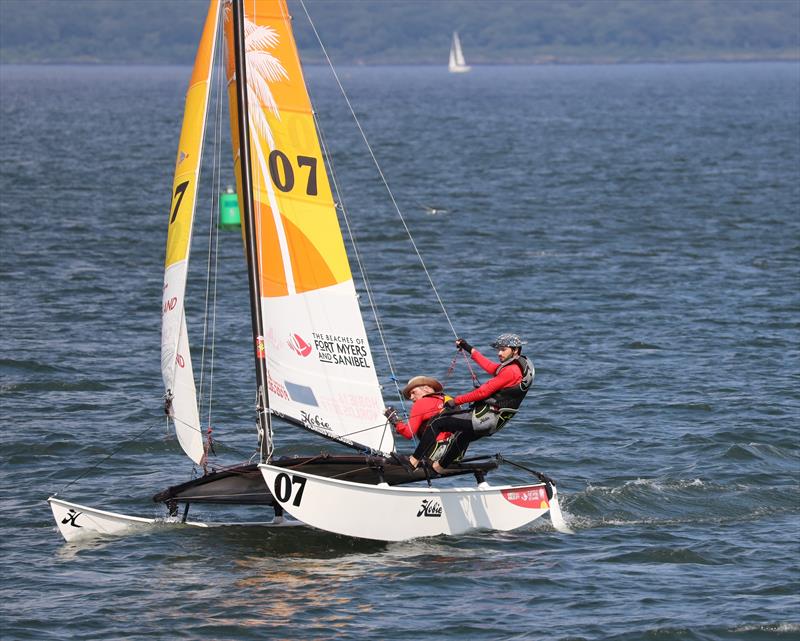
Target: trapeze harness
(444, 398)
(491, 414)
(429, 440)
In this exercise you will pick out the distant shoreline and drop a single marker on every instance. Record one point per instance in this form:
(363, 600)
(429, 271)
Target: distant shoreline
(536, 62)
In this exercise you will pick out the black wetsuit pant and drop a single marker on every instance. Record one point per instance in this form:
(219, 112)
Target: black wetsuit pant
(460, 424)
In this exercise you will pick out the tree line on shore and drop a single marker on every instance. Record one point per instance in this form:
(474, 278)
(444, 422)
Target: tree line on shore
(416, 31)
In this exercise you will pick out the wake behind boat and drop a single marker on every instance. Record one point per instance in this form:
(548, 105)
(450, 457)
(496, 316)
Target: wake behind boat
(313, 361)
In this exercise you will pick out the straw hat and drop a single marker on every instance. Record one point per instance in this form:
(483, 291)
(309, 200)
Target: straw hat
(421, 380)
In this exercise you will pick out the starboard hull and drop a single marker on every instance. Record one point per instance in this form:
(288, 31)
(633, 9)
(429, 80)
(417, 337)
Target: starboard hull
(385, 513)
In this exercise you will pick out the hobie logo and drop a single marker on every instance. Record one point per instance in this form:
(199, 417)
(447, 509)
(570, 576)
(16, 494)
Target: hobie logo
(70, 518)
(298, 345)
(315, 422)
(430, 507)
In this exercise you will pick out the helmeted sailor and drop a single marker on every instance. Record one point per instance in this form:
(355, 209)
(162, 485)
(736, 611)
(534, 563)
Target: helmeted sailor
(491, 405)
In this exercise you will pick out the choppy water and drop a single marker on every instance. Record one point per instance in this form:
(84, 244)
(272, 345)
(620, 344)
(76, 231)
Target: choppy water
(639, 224)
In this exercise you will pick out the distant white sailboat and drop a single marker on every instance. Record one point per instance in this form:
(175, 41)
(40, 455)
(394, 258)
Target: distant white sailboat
(457, 63)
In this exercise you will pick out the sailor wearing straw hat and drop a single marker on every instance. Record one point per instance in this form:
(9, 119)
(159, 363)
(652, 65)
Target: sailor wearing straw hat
(428, 402)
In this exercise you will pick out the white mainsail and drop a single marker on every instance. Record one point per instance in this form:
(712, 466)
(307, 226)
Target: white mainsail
(176, 360)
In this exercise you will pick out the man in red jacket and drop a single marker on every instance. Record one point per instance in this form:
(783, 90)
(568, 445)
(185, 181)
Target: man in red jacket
(492, 404)
(428, 402)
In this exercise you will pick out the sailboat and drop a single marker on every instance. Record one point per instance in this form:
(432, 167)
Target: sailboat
(313, 363)
(457, 64)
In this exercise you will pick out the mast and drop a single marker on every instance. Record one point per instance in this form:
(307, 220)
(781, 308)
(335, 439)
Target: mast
(263, 420)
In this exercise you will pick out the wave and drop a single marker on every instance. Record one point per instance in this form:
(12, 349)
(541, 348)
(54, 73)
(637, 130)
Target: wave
(640, 345)
(675, 502)
(754, 632)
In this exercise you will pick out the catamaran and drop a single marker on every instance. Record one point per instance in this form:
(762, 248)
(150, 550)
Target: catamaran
(314, 367)
(456, 63)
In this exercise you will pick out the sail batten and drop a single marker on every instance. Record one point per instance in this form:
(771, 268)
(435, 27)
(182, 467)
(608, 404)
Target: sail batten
(320, 368)
(176, 360)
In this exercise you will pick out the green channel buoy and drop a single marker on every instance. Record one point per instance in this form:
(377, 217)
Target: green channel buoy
(229, 210)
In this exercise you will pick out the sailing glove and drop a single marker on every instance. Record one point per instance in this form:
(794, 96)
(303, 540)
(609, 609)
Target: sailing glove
(450, 404)
(391, 414)
(462, 344)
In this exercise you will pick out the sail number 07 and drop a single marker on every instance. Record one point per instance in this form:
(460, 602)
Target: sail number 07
(284, 486)
(282, 172)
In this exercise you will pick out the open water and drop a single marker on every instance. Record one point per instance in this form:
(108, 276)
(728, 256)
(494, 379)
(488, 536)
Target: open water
(639, 225)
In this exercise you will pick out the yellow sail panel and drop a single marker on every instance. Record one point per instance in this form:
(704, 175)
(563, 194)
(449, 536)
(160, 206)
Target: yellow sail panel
(184, 185)
(187, 164)
(176, 361)
(300, 242)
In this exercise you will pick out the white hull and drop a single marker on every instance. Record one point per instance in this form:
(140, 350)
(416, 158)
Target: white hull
(76, 521)
(389, 513)
(459, 68)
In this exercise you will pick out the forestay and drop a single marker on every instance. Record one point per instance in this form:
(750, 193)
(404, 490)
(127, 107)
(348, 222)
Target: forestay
(176, 361)
(320, 368)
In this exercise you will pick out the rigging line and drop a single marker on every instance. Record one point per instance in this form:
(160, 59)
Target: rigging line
(476, 382)
(175, 419)
(540, 475)
(363, 270)
(209, 258)
(216, 191)
(378, 167)
(357, 253)
(364, 429)
(113, 452)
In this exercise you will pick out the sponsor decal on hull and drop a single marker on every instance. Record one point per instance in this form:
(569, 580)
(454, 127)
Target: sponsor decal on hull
(530, 497)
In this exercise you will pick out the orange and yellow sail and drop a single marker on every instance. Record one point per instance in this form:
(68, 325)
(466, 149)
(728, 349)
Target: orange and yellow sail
(299, 232)
(176, 362)
(319, 362)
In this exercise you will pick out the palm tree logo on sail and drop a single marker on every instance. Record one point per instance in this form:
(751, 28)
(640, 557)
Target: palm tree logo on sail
(264, 69)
